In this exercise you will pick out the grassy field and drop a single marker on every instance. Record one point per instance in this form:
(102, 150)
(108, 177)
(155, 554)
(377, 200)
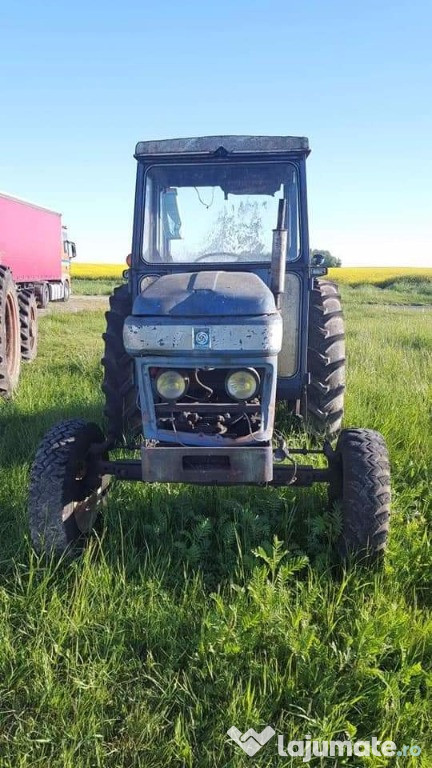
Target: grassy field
(175, 626)
(88, 286)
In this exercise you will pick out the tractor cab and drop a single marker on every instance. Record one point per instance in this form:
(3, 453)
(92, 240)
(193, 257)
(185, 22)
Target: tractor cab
(212, 204)
(217, 206)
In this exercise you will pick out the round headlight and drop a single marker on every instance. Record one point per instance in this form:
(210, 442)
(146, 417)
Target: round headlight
(242, 384)
(171, 385)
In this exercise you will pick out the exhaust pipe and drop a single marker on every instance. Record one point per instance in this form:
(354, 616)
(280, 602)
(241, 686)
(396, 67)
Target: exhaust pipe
(279, 251)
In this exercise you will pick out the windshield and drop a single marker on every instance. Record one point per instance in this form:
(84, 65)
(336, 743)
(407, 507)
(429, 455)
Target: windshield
(218, 212)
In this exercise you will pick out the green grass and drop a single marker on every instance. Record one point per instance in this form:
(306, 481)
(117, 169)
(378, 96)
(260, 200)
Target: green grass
(406, 283)
(83, 286)
(410, 290)
(395, 295)
(170, 629)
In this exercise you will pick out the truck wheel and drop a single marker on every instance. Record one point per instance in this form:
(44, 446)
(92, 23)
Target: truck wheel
(42, 295)
(122, 413)
(361, 487)
(10, 339)
(66, 291)
(29, 324)
(322, 406)
(65, 491)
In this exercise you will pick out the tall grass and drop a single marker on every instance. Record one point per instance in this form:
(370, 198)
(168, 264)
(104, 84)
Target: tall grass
(186, 615)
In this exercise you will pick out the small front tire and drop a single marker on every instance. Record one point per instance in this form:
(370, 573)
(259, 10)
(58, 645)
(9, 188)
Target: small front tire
(361, 488)
(65, 489)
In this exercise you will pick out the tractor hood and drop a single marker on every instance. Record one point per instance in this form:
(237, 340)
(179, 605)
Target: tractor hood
(205, 294)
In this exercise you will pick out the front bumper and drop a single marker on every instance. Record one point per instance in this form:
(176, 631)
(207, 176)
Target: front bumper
(214, 466)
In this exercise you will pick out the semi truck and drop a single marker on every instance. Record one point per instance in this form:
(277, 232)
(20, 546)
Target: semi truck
(35, 256)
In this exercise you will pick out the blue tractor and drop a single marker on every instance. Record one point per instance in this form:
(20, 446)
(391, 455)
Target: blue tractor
(223, 316)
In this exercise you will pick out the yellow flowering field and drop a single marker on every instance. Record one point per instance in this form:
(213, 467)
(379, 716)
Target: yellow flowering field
(377, 275)
(347, 275)
(97, 271)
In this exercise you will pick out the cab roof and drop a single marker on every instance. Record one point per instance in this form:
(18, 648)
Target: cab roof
(209, 145)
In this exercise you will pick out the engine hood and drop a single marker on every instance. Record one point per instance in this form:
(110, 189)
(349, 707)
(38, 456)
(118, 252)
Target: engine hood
(205, 294)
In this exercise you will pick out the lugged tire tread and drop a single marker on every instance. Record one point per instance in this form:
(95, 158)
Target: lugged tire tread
(51, 483)
(323, 406)
(121, 410)
(26, 299)
(364, 492)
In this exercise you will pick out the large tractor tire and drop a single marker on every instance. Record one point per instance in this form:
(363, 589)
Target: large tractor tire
(361, 488)
(10, 337)
(65, 490)
(322, 406)
(121, 411)
(29, 324)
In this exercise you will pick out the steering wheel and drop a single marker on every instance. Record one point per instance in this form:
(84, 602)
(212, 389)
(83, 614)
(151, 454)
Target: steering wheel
(229, 256)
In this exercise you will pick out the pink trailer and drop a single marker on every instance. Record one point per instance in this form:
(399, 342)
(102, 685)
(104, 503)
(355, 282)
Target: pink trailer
(35, 259)
(30, 241)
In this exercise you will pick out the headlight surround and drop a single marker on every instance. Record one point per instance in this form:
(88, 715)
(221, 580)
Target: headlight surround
(171, 384)
(242, 384)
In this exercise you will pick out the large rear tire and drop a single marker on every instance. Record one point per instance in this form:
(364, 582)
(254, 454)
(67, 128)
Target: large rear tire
(29, 324)
(10, 337)
(361, 487)
(322, 406)
(121, 410)
(65, 489)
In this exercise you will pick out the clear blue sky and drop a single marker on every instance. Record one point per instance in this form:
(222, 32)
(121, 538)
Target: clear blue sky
(81, 82)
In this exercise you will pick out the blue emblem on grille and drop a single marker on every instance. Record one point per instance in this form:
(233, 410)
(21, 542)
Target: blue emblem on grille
(201, 338)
